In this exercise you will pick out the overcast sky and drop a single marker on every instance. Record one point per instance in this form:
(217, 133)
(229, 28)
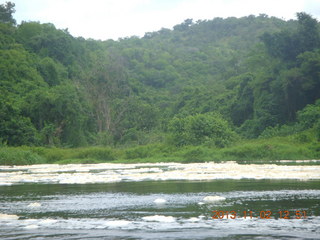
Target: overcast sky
(113, 19)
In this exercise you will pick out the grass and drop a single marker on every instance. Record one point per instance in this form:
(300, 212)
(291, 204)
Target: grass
(269, 150)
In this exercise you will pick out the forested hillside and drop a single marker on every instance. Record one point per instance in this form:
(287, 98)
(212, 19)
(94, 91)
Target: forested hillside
(206, 82)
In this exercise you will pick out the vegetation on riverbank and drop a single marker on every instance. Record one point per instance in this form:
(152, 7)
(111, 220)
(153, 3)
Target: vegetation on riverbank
(299, 146)
(243, 89)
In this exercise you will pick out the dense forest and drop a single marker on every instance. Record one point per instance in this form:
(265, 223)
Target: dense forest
(210, 82)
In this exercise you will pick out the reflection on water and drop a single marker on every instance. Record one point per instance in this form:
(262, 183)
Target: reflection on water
(126, 210)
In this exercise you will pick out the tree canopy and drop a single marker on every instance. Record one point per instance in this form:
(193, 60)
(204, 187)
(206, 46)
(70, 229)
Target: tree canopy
(200, 82)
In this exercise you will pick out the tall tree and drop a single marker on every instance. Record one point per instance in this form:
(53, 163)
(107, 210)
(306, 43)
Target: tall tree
(6, 12)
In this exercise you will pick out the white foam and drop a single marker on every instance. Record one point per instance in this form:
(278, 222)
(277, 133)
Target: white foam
(160, 201)
(193, 219)
(117, 223)
(33, 226)
(159, 218)
(47, 221)
(111, 172)
(8, 217)
(34, 205)
(212, 199)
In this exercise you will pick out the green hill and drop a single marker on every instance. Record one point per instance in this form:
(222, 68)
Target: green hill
(210, 83)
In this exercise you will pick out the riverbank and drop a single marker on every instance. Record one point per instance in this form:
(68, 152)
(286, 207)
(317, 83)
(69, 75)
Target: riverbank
(257, 151)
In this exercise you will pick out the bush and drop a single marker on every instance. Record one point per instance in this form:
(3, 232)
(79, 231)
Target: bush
(310, 115)
(105, 154)
(194, 155)
(284, 130)
(306, 118)
(317, 130)
(271, 150)
(138, 152)
(16, 156)
(201, 128)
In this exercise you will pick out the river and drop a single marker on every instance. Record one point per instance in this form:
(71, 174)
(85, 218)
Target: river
(160, 201)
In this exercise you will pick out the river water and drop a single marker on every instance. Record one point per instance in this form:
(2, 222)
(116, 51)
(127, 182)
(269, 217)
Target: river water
(159, 201)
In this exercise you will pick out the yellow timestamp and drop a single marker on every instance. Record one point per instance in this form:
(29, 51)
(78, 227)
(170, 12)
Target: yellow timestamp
(265, 214)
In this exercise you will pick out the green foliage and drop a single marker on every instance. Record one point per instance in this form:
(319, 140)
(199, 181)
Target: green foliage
(6, 12)
(307, 118)
(257, 73)
(300, 146)
(16, 156)
(289, 44)
(67, 155)
(138, 152)
(52, 72)
(267, 151)
(283, 130)
(310, 115)
(317, 130)
(47, 41)
(242, 108)
(201, 128)
(197, 154)
(105, 154)
(6, 36)
(104, 139)
(53, 155)
(59, 114)
(15, 129)
(155, 150)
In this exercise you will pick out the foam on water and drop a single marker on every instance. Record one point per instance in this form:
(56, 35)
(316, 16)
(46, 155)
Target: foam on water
(156, 221)
(134, 209)
(8, 217)
(108, 172)
(117, 223)
(159, 218)
(34, 205)
(212, 199)
(160, 201)
(33, 226)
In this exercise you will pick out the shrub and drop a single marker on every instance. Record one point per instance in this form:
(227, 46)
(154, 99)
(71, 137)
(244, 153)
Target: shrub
(271, 150)
(317, 130)
(16, 156)
(105, 154)
(284, 130)
(201, 128)
(138, 152)
(194, 155)
(309, 116)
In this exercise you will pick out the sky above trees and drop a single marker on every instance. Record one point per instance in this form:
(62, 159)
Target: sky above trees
(113, 19)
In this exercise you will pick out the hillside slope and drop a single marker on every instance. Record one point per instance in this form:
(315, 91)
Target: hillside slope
(239, 75)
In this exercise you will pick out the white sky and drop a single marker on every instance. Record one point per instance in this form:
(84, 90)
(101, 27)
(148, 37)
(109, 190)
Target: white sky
(113, 19)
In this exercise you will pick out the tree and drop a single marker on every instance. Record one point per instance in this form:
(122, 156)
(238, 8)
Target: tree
(15, 129)
(108, 91)
(184, 26)
(308, 32)
(288, 44)
(6, 11)
(242, 108)
(60, 114)
(52, 72)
